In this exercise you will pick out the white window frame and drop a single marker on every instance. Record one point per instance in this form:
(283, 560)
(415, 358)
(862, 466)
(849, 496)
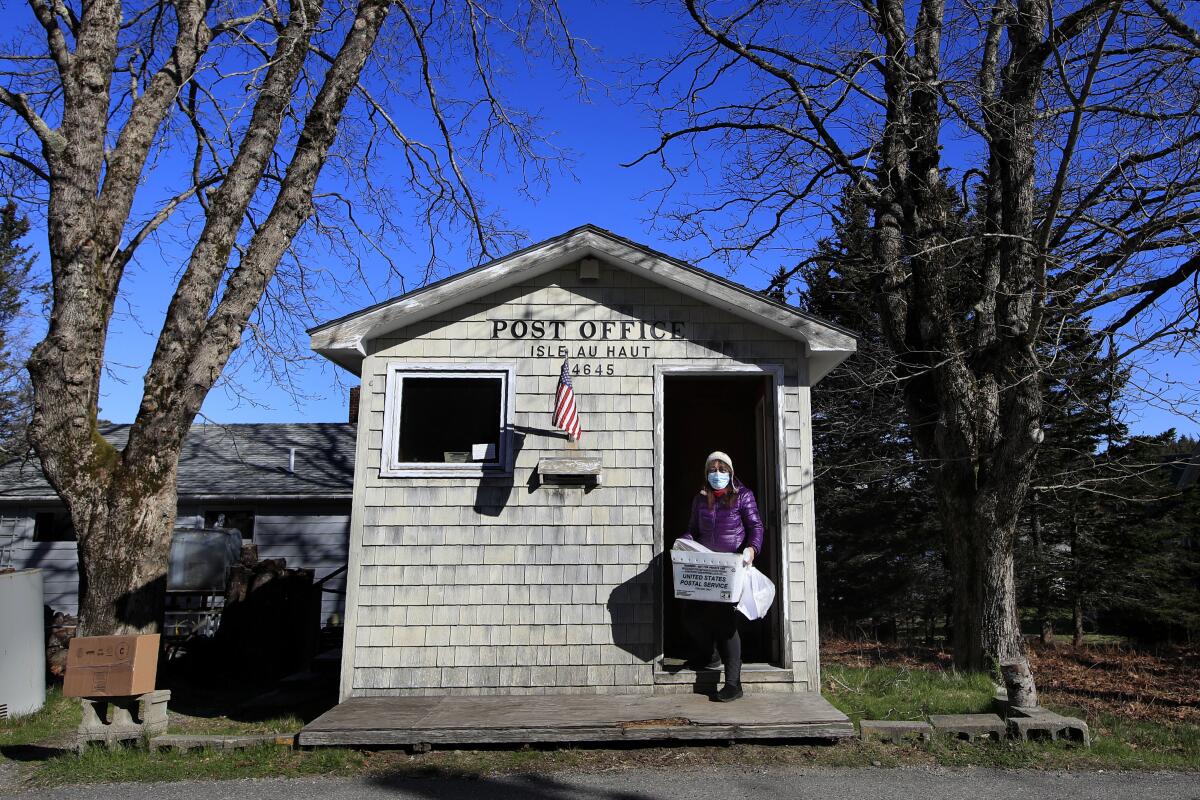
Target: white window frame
(389, 464)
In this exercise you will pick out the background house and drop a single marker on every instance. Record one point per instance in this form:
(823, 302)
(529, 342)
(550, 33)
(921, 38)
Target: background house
(286, 487)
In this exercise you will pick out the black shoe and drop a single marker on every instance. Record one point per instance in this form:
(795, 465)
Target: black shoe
(730, 693)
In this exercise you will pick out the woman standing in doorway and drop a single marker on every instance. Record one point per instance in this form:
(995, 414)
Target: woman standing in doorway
(725, 520)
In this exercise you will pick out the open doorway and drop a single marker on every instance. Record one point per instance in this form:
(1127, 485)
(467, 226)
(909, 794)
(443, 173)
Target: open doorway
(734, 413)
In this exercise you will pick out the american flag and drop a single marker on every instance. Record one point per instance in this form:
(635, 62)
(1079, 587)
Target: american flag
(566, 416)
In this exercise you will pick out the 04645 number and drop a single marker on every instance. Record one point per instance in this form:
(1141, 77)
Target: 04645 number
(589, 369)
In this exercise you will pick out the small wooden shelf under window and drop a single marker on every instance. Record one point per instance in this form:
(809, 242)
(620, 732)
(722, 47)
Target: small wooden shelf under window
(570, 471)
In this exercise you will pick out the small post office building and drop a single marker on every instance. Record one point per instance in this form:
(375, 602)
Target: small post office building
(491, 554)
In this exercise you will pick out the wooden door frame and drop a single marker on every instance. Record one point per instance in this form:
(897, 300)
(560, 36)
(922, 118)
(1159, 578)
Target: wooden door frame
(775, 373)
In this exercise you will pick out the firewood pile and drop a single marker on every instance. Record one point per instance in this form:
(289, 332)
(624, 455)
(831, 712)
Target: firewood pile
(60, 629)
(271, 620)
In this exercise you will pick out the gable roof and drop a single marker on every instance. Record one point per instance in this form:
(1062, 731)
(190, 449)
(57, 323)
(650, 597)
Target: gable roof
(231, 462)
(343, 340)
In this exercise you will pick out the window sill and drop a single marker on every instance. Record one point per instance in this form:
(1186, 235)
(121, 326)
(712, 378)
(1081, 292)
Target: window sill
(443, 471)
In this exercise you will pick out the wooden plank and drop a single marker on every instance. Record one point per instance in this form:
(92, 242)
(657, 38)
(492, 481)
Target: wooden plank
(365, 712)
(572, 718)
(599, 733)
(582, 466)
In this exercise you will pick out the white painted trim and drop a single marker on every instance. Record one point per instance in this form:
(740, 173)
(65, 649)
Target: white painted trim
(785, 565)
(354, 545)
(390, 467)
(776, 373)
(807, 499)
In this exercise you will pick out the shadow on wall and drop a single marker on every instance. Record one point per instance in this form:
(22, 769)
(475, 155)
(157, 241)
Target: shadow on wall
(631, 613)
(143, 607)
(492, 494)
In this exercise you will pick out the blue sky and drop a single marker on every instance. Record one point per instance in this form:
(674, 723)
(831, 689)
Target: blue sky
(601, 133)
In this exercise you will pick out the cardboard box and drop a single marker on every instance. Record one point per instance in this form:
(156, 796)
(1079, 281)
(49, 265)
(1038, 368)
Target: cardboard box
(712, 577)
(111, 666)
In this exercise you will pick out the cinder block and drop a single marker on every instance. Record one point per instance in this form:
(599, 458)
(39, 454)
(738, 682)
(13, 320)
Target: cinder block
(114, 720)
(894, 731)
(185, 743)
(969, 726)
(1038, 723)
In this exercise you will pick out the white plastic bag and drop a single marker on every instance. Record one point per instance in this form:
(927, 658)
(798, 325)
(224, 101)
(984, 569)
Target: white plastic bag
(757, 595)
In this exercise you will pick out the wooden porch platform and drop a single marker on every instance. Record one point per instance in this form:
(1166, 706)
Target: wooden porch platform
(389, 721)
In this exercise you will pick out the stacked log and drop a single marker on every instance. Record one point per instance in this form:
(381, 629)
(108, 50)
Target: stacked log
(271, 620)
(60, 629)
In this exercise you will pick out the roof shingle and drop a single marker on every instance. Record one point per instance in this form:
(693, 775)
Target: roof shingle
(242, 461)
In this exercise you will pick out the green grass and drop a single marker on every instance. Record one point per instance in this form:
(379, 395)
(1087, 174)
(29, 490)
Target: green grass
(58, 718)
(1102, 639)
(225, 726)
(875, 693)
(33, 744)
(897, 693)
(894, 693)
(98, 765)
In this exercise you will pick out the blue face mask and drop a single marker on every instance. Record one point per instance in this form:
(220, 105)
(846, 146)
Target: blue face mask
(718, 480)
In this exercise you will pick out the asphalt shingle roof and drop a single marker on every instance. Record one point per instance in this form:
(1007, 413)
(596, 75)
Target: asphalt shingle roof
(243, 461)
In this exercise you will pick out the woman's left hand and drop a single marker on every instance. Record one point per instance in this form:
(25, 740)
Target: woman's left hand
(748, 556)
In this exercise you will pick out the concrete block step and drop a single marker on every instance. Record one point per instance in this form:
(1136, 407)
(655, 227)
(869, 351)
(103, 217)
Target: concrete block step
(1029, 724)
(969, 726)
(894, 731)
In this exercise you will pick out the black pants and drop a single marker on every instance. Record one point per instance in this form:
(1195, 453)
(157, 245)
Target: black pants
(715, 623)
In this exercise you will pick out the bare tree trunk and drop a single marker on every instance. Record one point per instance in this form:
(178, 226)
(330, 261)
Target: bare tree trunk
(122, 503)
(1077, 588)
(1041, 580)
(1018, 679)
(123, 561)
(1077, 618)
(986, 626)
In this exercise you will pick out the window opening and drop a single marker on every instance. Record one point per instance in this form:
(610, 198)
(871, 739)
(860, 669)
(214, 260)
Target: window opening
(53, 526)
(241, 520)
(446, 420)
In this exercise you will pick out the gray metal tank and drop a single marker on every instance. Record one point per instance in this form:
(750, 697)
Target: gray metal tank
(22, 643)
(201, 557)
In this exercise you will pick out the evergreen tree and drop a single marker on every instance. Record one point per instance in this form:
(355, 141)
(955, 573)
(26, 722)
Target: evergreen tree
(1081, 393)
(1108, 535)
(1143, 567)
(1104, 533)
(15, 266)
(881, 564)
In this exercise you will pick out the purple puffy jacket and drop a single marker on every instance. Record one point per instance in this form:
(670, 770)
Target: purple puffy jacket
(726, 529)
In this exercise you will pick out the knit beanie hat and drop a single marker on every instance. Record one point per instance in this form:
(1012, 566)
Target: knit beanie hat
(717, 455)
